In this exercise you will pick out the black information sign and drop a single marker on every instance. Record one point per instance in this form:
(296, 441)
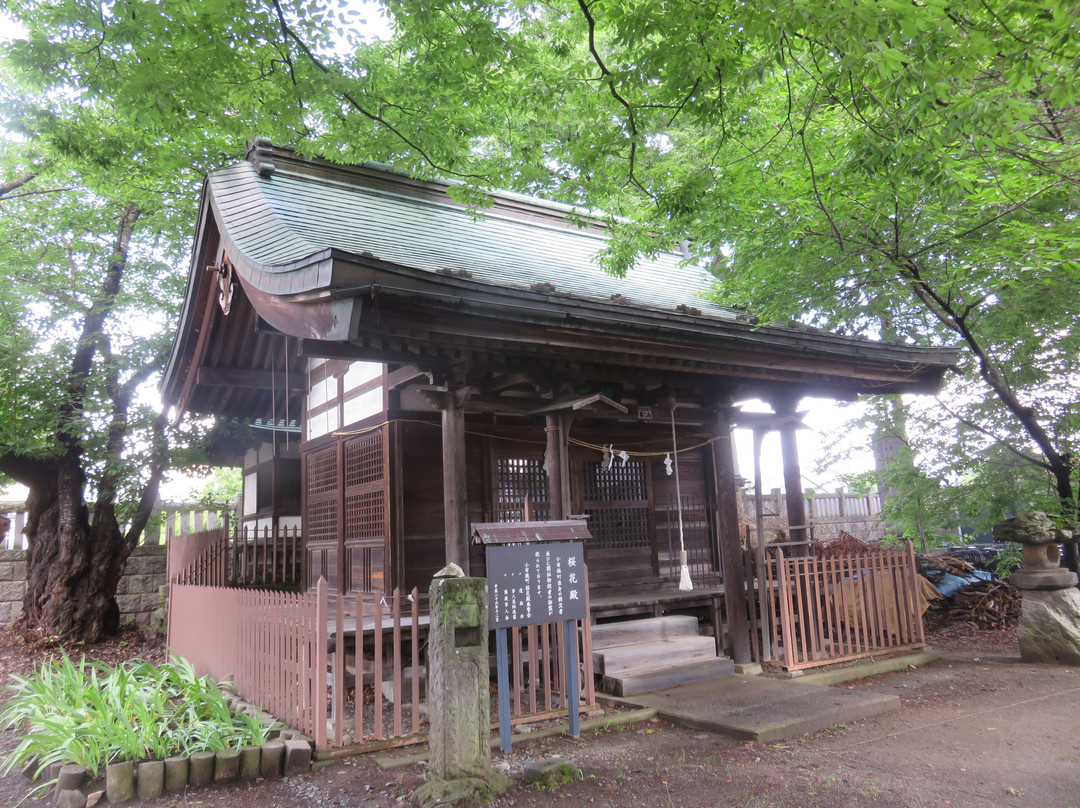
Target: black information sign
(529, 584)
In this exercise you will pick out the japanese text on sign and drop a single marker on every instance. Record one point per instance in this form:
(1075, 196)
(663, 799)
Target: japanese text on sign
(529, 584)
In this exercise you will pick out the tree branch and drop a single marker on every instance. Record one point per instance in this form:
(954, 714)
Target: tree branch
(60, 190)
(157, 465)
(93, 324)
(817, 192)
(12, 185)
(983, 224)
(609, 77)
(1035, 461)
(355, 104)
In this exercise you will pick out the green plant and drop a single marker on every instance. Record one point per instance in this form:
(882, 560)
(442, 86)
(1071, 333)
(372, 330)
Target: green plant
(94, 714)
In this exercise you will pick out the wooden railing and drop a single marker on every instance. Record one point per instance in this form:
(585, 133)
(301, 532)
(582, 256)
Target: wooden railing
(266, 556)
(812, 611)
(278, 648)
(251, 556)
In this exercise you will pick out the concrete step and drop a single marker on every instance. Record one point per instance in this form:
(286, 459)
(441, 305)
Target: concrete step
(646, 680)
(672, 651)
(652, 629)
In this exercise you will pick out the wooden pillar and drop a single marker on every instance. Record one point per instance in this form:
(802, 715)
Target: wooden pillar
(727, 529)
(455, 512)
(554, 457)
(557, 455)
(789, 451)
(759, 551)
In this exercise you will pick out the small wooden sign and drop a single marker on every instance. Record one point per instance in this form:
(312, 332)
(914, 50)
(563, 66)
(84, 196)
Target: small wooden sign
(530, 584)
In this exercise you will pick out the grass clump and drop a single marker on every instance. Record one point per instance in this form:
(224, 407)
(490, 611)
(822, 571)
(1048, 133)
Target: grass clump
(94, 714)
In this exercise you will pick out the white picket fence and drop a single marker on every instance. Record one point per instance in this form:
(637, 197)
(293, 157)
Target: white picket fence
(827, 513)
(168, 520)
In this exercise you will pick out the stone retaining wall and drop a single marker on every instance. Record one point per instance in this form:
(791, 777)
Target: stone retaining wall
(137, 594)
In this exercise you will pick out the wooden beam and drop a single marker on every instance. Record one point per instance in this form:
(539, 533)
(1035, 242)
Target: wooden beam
(727, 529)
(553, 457)
(581, 403)
(768, 420)
(257, 379)
(405, 375)
(507, 381)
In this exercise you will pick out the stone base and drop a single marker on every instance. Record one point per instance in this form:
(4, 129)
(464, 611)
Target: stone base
(1046, 580)
(465, 791)
(1049, 629)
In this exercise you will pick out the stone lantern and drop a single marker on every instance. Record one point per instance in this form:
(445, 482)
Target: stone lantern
(1049, 629)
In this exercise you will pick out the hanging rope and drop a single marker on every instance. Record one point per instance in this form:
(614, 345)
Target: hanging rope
(685, 584)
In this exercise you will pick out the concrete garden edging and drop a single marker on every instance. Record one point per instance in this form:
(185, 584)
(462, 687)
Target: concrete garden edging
(286, 753)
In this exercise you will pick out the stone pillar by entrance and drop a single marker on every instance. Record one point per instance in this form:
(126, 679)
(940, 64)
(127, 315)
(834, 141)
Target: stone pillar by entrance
(1049, 628)
(727, 529)
(459, 702)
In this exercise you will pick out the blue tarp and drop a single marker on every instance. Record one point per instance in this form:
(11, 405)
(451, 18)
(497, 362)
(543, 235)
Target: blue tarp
(949, 585)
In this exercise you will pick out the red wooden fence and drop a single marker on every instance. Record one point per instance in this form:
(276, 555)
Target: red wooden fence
(272, 645)
(285, 651)
(840, 607)
(249, 557)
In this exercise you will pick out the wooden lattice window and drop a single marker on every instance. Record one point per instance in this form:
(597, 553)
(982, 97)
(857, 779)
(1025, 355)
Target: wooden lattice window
(351, 493)
(617, 501)
(364, 516)
(365, 510)
(321, 508)
(518, 479)
(364, 460)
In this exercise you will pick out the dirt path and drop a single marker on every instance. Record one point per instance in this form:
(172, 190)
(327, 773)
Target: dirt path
(978, 728)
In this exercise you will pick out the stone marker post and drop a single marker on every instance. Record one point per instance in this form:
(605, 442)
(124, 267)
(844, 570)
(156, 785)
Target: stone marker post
(459, 702)
(1049, 629)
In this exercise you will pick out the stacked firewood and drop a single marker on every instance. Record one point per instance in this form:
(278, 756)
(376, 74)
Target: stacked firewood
(986, 604)
(980, 604)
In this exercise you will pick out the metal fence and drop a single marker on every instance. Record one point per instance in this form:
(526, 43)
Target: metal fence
(252, 557)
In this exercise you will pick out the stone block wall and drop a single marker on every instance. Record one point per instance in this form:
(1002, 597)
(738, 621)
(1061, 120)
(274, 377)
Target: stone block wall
(12, 584)
(137, 593)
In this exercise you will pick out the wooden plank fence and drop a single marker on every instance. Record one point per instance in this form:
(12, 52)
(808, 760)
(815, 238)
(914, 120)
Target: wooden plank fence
(827, 514)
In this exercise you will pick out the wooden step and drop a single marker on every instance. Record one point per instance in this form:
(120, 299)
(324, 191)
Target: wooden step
(646, 680)
(651, 629)
(672, 651)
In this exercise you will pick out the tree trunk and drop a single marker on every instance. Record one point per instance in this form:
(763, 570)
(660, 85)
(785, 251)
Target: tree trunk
(1067, 502)
(72, 567)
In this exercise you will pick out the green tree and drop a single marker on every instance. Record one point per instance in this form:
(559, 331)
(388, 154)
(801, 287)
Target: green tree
(80, 273)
